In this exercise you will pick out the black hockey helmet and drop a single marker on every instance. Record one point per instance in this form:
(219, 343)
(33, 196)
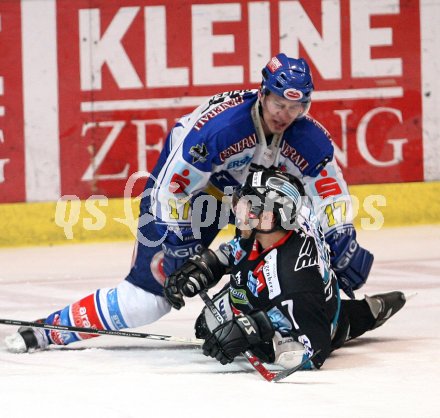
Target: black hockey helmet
(274, 191)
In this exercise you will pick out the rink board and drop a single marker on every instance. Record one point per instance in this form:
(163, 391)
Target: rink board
(88, 102)
(115, 219)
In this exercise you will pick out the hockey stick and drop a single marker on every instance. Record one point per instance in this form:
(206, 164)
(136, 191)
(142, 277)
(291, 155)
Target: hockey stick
(157, 337)
(253, 360)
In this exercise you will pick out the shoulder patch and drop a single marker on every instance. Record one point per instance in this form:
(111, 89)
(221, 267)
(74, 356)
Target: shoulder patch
(199, 152)
(308, 256)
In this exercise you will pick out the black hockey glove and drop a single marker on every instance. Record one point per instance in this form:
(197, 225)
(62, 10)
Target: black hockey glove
(236, 336)
(200, 272)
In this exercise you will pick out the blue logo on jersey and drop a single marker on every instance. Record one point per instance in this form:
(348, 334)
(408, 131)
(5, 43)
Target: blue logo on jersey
(279, 321)
(252, 284)
(237, 252)
(240, 163)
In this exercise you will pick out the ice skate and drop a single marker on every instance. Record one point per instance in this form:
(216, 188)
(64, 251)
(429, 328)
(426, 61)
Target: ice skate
(384, 306)
(27, 339)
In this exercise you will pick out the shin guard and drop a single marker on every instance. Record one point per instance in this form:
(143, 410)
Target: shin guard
(83, 313)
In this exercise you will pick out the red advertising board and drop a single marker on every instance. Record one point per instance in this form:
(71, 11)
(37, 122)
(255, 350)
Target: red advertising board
(12, 173)
(128, 69)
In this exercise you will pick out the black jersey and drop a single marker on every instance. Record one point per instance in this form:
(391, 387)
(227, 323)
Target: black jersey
(287, 281)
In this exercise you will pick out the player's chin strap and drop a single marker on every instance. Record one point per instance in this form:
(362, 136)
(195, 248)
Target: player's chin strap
(253, 360)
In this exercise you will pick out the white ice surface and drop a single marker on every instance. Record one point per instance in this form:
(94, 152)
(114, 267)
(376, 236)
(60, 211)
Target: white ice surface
(393, 371)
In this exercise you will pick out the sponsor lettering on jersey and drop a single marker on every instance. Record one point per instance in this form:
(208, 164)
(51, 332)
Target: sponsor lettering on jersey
(279, 320)
(293, 155)
(199, 153)
(322, 164)
(238, 296)
(222, 308)
(84, 314)
(256, 282)
(237, 252)
(181, 252)
(307, 257)
(221, 97)
(248, 142)
(116, 317)
(252, 284)
(270, 271)
(240, 163)
(206, 117)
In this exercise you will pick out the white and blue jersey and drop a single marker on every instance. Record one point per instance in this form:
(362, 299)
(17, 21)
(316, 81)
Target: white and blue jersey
(210, 151)
(213, 147)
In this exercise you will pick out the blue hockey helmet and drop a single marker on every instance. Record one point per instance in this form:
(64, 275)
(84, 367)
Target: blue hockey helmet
(289, 78)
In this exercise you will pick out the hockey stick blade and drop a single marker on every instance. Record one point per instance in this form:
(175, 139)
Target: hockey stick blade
(156, 337)
(268, 375)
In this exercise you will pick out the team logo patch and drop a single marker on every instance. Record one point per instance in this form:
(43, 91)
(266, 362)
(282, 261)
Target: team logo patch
(274, 64)
(307, 255)
(182, 176)
(199, 153)
(293, 94)
(179, 182)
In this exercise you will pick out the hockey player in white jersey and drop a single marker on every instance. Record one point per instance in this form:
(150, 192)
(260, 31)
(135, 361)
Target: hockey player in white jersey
(208, 153)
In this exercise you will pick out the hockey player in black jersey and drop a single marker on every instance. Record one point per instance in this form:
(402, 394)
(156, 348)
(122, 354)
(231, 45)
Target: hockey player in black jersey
(282, 301)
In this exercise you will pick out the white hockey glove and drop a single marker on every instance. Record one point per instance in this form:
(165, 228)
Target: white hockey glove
(288, 352)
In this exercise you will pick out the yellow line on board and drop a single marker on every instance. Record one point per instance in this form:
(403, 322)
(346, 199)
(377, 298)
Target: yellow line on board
(90, 220)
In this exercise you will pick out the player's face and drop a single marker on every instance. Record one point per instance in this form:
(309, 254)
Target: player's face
(246, 221)
(279, 113)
